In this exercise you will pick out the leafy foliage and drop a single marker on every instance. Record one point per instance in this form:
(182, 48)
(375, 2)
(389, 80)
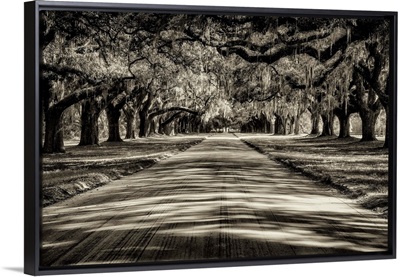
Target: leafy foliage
(230, 67)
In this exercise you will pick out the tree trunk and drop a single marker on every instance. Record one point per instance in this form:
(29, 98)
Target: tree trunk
(273, 123)
(266, 127)
(386, 144)
(144, 125)
(168, 127)
(369, 108)
(195, 124)
(113, 115)
(373, 78)
(89, 122)
(152, 129)
(54, 138)
(327, 120)
(129, 126)
(183, 125)
(160, 125)
(291, 125)
(59, 140)
(263, 123)
(176, 127)
(130, 116)
(297, 125)
(368, 119)
(280, 127)
(54, 135)
(344, 123)
(315, 119)
(285, 125)
(188, 126)
(169, 130)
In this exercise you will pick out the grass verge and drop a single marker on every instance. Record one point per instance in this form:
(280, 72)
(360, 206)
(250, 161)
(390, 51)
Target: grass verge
(83, 168)
(356, 169)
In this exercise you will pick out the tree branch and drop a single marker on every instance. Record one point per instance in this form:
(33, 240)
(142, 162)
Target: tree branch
(171, 118)
(162, 111)
(65, 70)
(77, 96)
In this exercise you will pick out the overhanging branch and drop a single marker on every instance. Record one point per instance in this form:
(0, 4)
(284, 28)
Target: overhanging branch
(162, 111)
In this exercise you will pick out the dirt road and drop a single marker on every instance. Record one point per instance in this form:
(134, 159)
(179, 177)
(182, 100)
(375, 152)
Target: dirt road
(219, 199)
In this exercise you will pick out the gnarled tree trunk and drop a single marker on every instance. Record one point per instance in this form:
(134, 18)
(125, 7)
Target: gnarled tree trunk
(344, 124)
(152, 127)
(368, 119)
(280, 128)
(343, 113)
(91, 109)
(129, 127)
(54, 135)
(291, 125)
(369, 108)
(327, 126)
(297, 125)
(144, 124)
(129, 112)
(373, 76)
(113, 115)
(386, 144)
(315, 119)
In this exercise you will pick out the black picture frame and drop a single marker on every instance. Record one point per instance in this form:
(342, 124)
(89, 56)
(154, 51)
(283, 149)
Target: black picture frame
(32, 134)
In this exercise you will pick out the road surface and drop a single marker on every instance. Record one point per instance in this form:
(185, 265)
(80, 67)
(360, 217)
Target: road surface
(219, 199)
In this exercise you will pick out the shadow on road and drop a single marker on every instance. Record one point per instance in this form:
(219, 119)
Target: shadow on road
(218, 200)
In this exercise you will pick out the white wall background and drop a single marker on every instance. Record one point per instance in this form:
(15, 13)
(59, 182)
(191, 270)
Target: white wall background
(11, 149)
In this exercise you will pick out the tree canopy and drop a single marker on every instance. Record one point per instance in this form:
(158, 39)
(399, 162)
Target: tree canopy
(168, 73)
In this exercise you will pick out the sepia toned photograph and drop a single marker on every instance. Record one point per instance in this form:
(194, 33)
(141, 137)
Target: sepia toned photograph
(170, 137)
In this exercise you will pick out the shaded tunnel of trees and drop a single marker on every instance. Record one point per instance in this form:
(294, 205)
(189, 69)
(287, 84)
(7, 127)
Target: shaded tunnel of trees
(128, 75)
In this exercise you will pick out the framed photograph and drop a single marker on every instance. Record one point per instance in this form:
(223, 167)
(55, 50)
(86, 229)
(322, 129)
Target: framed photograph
(165, 137)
